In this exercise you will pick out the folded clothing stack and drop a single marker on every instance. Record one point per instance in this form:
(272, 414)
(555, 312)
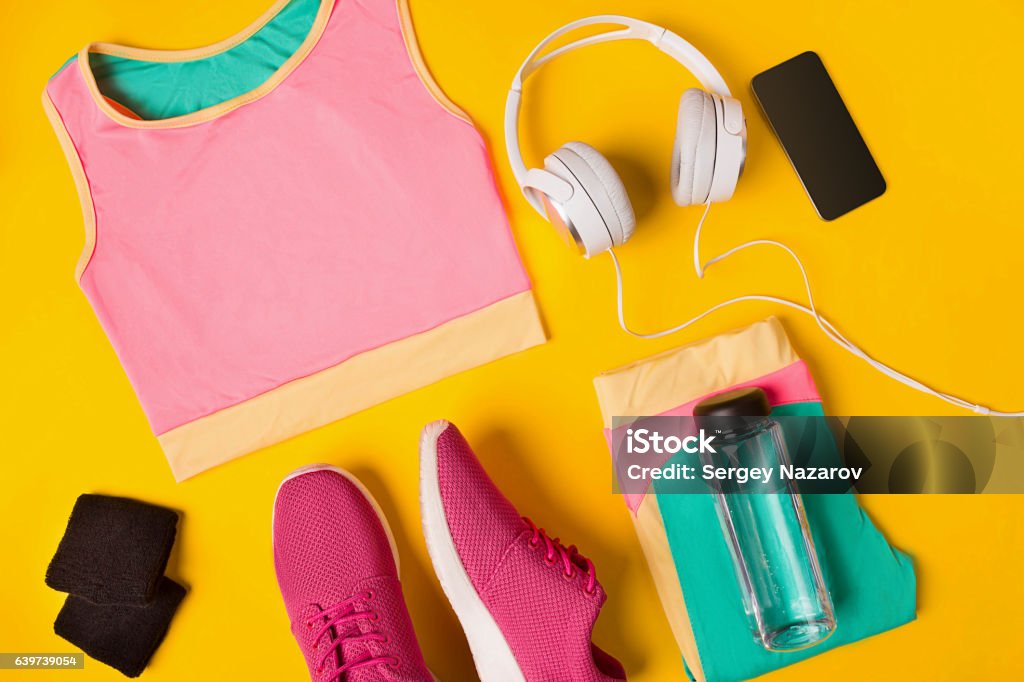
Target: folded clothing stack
(111, 561)
(872, 584)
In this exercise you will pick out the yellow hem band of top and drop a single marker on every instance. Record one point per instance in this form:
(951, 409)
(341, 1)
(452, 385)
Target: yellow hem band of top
(508, 326)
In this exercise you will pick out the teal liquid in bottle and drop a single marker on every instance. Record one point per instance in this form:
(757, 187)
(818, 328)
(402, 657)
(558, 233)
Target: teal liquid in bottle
(765, 526)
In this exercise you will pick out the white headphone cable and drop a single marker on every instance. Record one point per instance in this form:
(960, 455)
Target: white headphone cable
(810, 309)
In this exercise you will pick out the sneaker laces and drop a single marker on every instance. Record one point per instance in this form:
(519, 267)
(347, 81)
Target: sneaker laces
(342, 613)
(570, 557)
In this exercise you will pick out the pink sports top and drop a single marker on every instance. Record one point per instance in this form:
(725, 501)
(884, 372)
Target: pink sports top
(286, 227)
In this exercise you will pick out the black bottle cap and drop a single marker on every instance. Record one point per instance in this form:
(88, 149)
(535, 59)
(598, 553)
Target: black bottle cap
(741, 402)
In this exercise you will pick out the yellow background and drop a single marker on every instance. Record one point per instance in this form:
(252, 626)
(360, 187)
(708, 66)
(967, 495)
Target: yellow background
(927, 278)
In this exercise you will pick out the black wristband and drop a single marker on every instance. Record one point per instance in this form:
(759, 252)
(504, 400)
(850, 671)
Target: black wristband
(114, 550)
(123, 637)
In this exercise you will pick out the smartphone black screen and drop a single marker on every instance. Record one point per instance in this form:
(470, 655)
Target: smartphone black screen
(819, 135)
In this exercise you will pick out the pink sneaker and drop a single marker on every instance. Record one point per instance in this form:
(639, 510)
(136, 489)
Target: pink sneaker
(337, 568)
(526, 603)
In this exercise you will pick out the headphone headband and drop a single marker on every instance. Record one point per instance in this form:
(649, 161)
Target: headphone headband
(634, 29)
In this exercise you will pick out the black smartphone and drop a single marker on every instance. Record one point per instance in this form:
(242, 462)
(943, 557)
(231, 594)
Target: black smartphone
(818, 134)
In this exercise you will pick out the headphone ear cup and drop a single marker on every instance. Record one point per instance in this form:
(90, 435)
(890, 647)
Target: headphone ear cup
(693, 156)
(604, 187)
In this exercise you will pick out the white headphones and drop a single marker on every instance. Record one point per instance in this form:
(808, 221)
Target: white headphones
(579, 192)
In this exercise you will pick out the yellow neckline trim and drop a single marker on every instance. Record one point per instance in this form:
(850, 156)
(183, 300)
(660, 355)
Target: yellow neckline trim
(217, 110)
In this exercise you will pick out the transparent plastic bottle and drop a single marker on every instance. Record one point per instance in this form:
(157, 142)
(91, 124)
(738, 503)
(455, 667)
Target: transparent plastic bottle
(765, 526)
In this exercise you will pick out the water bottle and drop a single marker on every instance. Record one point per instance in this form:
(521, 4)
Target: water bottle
(765, 526)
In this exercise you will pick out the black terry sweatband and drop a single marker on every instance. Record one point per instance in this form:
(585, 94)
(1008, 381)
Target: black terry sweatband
(114, 550)
(123, 637)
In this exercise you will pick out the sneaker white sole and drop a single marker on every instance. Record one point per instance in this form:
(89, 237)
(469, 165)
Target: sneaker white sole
(492, 655)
